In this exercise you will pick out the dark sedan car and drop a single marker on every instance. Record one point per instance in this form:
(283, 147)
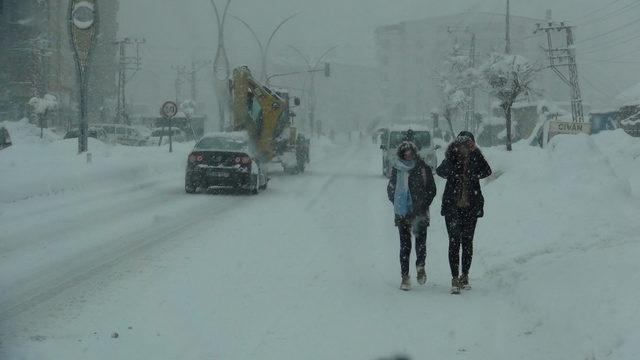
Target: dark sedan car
(224, 160)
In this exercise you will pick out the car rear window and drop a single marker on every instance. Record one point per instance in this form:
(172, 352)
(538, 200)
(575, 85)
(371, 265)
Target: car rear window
(221, 143)
(421, 138)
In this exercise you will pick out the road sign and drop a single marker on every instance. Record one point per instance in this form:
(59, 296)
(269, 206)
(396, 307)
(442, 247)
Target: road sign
(169, 110)
(83, 15)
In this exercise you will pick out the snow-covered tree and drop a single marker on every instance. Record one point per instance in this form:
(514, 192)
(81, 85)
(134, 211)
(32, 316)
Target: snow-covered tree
(188, 107)
(508, 77)
(42, 106)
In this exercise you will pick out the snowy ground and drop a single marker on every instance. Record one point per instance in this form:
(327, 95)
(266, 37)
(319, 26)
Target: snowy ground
(309, 268)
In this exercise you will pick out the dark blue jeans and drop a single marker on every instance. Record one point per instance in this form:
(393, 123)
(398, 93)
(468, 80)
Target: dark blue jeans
(405, 227)
(461, 226)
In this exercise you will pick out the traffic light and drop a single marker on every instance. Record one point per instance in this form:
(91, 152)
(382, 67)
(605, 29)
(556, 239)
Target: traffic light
(327, 69)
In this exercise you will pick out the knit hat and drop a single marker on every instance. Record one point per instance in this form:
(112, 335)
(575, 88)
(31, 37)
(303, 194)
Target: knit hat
(405, 146)
(466, 134)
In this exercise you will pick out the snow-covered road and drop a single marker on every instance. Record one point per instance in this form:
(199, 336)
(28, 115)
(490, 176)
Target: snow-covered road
(307, 269)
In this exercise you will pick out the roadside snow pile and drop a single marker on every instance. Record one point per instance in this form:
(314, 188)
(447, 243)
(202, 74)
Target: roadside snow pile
(23, 133)
(623, 152)
(561, 238)
(34, 167)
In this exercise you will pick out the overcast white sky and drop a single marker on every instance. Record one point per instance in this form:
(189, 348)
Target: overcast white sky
(176, 30)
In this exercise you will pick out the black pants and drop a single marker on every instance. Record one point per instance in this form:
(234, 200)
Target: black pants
(405, 228)
(461, 226)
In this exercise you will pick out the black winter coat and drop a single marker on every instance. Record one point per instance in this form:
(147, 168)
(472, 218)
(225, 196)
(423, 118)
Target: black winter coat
(422, 192)
(478, 169)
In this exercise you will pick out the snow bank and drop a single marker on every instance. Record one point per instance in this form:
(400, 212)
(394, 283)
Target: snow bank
(35, 167)
(23, 133)
(560, 239)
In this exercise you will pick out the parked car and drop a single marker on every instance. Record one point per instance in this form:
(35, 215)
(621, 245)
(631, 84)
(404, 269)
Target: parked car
(124, 134)
(225, 160)
(177, 135)
(96, 133)
(5, 139)
(396, 135)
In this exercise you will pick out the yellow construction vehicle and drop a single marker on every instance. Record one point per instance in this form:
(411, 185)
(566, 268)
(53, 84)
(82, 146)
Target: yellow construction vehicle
(266, 115)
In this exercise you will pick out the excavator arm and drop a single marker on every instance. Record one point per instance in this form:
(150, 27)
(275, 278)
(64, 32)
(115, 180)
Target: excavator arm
(257, 110)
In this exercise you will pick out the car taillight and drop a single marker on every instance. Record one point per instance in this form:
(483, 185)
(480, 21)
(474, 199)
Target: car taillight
(196, 158)
(243, 160)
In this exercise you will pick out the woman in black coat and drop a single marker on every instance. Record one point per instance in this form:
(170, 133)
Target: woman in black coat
(411, 189)
(462, 202)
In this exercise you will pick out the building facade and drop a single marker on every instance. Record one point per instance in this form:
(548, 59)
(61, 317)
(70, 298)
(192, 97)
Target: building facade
(412, 54)
(37, 59)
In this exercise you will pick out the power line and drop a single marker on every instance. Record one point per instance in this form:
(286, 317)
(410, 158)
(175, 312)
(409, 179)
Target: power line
(618, 12)
(623, 55)
(596, 11)
(591, 85)
(610, 31)
(610, 45)
(610, 61)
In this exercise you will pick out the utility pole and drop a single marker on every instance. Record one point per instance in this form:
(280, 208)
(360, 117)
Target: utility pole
(193, 78)
(471, 91)
(565, 57)
(312, 69)
(507, 48)
(181, 72)
(126, 64)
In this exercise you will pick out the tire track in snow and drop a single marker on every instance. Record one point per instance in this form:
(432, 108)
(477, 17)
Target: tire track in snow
(49, 283)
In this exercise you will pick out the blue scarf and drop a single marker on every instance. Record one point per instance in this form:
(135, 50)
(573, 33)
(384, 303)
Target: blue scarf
(402, 203)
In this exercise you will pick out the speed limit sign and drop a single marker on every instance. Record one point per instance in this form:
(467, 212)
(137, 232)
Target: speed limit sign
(169, 110)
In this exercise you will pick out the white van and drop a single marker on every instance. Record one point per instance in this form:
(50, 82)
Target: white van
(396, 135)
(123, 134)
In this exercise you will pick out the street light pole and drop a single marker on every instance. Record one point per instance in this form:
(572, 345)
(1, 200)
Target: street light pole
(311, 99)
(264, 49)
(221, 66)
(83, 29)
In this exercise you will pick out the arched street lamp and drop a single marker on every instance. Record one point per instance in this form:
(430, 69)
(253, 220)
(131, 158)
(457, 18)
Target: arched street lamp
(221, 68)
(264, 49)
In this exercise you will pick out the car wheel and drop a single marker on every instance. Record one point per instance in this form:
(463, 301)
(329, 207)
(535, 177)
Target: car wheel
(189, 186)
(256, 185)
(266, 182)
